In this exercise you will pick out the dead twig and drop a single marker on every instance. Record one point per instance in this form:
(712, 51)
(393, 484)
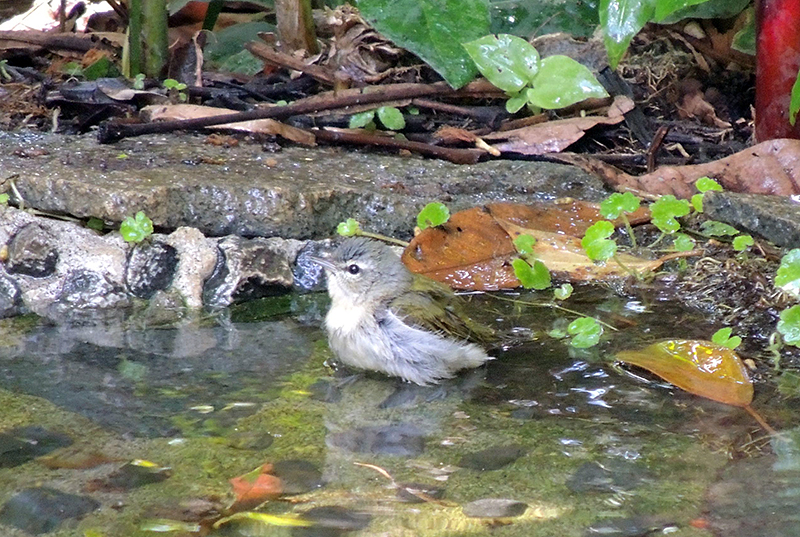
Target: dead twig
(268, 54)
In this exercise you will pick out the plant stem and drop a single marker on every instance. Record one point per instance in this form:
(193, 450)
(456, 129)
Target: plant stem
(383, 238)
(555, 306)
(629, 229)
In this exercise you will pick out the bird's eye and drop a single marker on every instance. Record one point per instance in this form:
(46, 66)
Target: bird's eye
(353, 269)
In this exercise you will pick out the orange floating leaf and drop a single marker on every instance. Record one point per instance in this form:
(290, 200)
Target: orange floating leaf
(699, 367)
(256, 487)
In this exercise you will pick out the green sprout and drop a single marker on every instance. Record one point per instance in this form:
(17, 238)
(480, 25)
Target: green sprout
(617, 206)
(138, 81)
(683, 242)
(3, 199)
(136, 229)
(174, 87)
(348, 228)
(664, 212)
(433, 214)
(713, 228)
(789, 325)
(563, 292)
(585, 332)
(703, 185)
(389, 116)
(743, 242)
(723, 338)
(524, 243)
(531, 276)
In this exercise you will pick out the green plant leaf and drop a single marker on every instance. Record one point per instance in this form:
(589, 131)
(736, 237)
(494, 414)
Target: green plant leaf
(596, 242)
(102, 68)
(794, 103)
(665, 210)
(3, 199)
(683, 242)
(524, 244)
(361, 119)
(617, 203)
(665, 8)
(723, 337)
(432, 215)
(620, 20)
(697, 202)
(392, 118)
(136, 229)
(718, 229)
(225, 48)
(585, 332)
(95, 223)
(704, 184)
(516, 102)
(534, 276)
(563, 292)
(433, 30)
(709, 9)
(348, 228)
(788, 275)
(508, 62)
(562, 81)
(744, 40)
(789, 325)
(743, 242)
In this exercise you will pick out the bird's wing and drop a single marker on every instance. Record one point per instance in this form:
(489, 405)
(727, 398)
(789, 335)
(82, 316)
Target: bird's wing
(433, 306)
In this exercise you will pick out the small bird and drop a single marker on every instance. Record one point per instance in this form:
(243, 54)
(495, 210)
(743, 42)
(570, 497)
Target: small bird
(384, 318)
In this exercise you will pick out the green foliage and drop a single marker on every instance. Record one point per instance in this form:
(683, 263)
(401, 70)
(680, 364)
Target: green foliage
(225, 49)
(95, 223)
(744, 40)
(705, 9)
(742, 242)
(348, 228)
(173, 86)
(596, 242)
(101, 68)
(362, 119)
(508, 62)
(534, 276)
(138, 81)
(524, 244)
(577, 18)
(789, 325)
(513, 65)
(563, 292)
(665, 8)
(723, 337)
(432, 215)
(794, 102)
(72, 69)
(683, 242)
(585, 332)
(713, 228)
(3, 199)
(788, 275)
(391, 117)
(617, 204)
(433, 30)
(136, 229)
(665, 210)
(620, 20)
(704, 184)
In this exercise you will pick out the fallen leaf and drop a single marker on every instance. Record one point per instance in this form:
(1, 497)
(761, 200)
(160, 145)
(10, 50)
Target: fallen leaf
(699, 367)
(256, 487)
(555, 136)
(263, 126)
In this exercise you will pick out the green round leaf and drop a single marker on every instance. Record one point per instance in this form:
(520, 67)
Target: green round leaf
(718, 229)
(563, 292)
(361, 119)
(432, 215)
(723, 337)
(348, 228)
(534, 276)
(697, 202)
(392, 118)
(789, 325)
(704, 184)
(743, 242)
(585, 332)
(524, 244)
(516, 102)
(596, 243)
(507, 61)
(788, 276)
(618, 203)
(683, 242)
(562, 81)
(665, 210)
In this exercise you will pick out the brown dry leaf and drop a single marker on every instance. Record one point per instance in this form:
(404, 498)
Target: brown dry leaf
(694, 105)
(474, 249)
(555, 136)
(263, 126)
(699, 367)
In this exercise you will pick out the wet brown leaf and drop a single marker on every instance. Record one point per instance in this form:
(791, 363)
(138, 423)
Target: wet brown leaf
(699, 367)
(74, 457)
(555, 136)
(256, 487)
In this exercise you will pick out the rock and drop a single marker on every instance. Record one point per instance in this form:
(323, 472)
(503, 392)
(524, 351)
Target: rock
(297, 476)
(494, 508)
(304, 194)
(10, 296)
(492, 458)
(333, 517)
(401, 440)
(40, 509)
(609, 476)
(250, 268)
(776, 218)
(31, 252)
(197, 257)
(151, 267)
(20, 445)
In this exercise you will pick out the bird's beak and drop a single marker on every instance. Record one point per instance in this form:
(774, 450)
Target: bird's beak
(324, 263)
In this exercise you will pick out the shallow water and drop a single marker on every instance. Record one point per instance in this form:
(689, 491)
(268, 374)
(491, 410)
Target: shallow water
(209, 397)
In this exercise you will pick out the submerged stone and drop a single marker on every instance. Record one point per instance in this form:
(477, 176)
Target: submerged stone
(628, 527)
(404, 440)
(419, 492)
(332, 520)
(297, 476)
(608, 476)
(494, 508)
(492, 458)
(40, 509)
(20, 445)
